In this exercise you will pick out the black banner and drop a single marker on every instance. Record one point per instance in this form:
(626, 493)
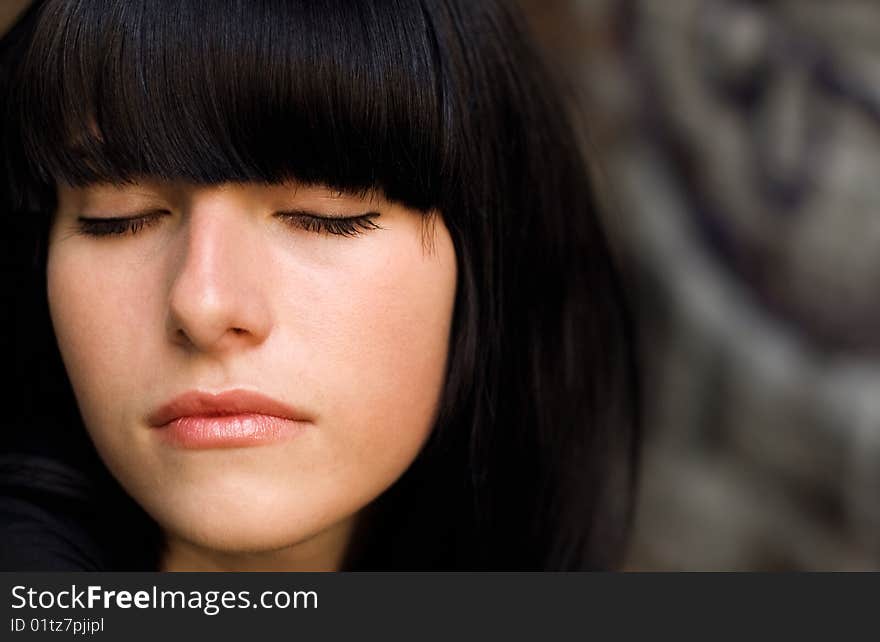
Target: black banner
(269, 606)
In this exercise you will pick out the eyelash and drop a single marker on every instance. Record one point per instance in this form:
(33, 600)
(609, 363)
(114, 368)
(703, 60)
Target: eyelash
(347, 227)
(117, 226)
(350, 227)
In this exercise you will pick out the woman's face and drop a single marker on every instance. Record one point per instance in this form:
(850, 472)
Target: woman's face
(216, 291)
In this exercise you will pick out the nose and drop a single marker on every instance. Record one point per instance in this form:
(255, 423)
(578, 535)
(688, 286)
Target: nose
(217, 299)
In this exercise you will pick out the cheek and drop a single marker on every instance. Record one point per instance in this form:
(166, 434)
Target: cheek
(99, 317)
(83, 326)
(384, 338)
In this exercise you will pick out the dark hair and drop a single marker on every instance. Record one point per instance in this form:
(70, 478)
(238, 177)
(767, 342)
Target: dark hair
(445, 106)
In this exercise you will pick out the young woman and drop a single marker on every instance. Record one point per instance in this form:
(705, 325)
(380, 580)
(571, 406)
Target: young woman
(310, 285)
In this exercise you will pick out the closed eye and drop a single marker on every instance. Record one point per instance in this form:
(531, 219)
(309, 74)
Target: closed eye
(118, 225)
(349, 226)
(340, 226)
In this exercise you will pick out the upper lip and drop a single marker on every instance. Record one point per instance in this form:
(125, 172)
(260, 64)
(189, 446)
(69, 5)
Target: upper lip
(232, 402)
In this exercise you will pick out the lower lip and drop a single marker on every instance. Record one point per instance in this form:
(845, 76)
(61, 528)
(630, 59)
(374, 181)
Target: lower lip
(228, 431)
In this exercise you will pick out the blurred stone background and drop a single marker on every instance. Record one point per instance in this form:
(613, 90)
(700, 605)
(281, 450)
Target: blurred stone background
(738, 152)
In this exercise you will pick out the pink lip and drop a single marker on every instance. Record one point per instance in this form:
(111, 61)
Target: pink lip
(227, 420)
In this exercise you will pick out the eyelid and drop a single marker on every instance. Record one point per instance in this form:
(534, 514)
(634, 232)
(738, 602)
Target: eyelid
(128, 217)
(346, 226)
(292, 212)
(104, 226)
(338, 217)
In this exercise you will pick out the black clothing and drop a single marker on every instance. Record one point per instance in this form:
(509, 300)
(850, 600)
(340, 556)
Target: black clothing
(54, 517)
(39, 535)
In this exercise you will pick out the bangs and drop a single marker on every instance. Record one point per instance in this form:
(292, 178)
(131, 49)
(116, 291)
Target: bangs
(340, 93)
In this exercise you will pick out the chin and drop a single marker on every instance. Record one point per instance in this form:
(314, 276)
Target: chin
(242, 521)
(239, 538)
(242, 531)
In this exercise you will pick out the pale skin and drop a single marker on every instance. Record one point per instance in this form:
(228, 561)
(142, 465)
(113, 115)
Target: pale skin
(218, 292)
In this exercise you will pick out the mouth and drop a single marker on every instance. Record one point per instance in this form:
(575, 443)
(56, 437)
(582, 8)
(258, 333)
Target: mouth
(231, 419)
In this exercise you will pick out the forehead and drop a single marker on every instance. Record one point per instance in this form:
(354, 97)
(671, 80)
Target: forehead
(157, 189)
